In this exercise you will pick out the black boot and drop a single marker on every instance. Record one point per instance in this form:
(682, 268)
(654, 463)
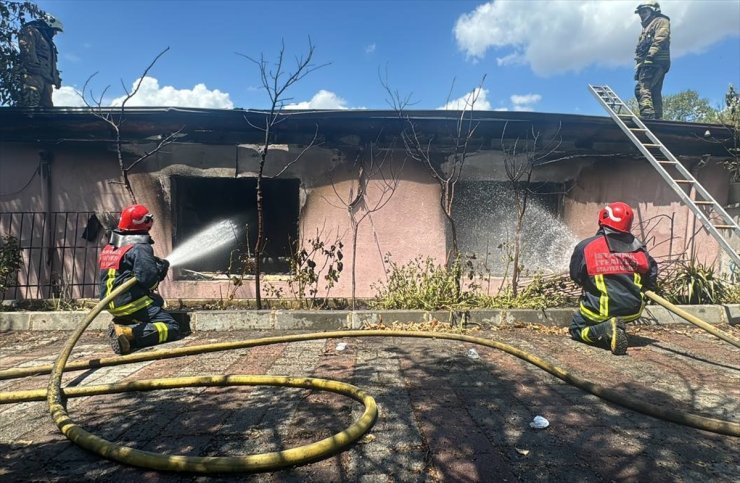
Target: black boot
(610, 333)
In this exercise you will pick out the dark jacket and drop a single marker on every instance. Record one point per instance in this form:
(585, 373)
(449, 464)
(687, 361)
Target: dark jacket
(38, 52)
(130, 255)
(613, 268)
(654, 43)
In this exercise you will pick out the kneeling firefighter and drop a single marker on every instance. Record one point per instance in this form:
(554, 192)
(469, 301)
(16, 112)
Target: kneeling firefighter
(613, 268)
(138, 317)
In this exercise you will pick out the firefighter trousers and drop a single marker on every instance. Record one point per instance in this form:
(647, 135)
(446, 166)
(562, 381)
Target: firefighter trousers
(585, 330)
(648, 91)
(151, 325)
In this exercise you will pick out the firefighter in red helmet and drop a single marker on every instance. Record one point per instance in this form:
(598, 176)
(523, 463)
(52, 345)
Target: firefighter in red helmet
(138, 317)
(613, 268)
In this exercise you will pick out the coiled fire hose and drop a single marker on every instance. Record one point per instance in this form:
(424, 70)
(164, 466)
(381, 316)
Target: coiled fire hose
(56, 397)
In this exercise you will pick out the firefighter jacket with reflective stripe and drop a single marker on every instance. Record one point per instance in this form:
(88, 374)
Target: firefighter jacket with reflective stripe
(613, 269)
(654, 43)
(121, 261)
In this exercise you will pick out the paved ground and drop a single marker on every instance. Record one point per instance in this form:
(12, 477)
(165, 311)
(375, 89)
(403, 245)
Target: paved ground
(443, 415)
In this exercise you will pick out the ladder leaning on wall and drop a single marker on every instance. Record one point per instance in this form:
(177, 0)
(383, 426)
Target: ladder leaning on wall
(682, 182)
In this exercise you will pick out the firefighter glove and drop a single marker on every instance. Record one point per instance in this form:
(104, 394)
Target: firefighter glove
(163, 266)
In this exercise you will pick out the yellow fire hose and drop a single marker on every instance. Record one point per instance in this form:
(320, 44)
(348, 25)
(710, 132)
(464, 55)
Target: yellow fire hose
(56, 397)
(216, 464)
(694, 320)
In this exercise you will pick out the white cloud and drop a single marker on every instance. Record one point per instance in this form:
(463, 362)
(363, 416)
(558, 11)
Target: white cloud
(477, 97)
(558, 36)
(66, 97)
(511, 59)
(370, 48)
(525, 102)
(151, 94)
(321, 100)
(71, 57)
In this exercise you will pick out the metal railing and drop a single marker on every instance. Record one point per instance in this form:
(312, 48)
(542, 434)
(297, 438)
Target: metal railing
(59, 252)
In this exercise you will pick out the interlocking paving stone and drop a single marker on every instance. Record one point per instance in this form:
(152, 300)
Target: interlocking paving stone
(443, 416)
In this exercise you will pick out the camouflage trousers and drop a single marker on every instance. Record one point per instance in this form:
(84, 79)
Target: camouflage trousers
(648, 91)
(36, 92)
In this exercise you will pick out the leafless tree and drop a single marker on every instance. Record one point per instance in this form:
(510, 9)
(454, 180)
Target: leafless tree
(116, 119)
(275, 80)
(418, 147)
(520, 158)
(374, 173)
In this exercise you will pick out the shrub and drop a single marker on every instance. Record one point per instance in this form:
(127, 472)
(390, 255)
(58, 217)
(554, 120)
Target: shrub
(732, 294)
(692, 282)
(421, 284)
(10, 261)
(540, 293)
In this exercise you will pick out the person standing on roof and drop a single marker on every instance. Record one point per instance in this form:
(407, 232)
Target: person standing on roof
(39, 61)
(653, 59)
(138, 317)
(613, 268)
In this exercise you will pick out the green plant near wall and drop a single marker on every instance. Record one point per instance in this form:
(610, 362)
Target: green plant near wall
(540, 292)
(421, 284)
(10, 261)
(692, 282)
(732, 295)
(317, 262)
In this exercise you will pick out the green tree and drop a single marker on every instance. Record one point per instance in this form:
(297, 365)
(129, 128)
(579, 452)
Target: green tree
(684, 106)
(729, 118)
(730, 115)
(687, 106)
(12, 17)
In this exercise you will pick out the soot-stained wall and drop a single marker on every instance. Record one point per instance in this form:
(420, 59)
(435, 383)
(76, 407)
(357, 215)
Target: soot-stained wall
(400, 216)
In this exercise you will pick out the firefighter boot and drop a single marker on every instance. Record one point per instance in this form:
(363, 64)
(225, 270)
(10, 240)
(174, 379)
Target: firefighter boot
(610, 333)
(120, 338)
(618, 343)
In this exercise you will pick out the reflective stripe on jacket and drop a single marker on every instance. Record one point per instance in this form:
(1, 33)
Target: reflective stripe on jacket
(612, 281)
(119, 264)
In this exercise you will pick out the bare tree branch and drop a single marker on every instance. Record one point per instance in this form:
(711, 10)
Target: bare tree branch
(311, 144)
(275, 81)
(358, 203)
(116, 121)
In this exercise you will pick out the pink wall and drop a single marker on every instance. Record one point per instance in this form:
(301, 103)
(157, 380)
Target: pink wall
(409, 225)
(659, 216)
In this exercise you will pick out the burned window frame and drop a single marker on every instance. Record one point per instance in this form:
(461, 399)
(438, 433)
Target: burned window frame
(193, 196)
(548, 195)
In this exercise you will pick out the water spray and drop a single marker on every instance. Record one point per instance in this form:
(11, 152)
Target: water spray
(212, 238)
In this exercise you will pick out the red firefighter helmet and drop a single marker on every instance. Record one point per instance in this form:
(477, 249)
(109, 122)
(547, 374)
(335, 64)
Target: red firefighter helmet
(136, 218)
(618, 216)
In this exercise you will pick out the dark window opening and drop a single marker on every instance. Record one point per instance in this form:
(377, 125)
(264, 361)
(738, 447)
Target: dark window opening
(200, 202)
(485, 214)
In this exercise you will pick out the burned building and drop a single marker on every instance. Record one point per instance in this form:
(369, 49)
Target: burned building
(61, 187)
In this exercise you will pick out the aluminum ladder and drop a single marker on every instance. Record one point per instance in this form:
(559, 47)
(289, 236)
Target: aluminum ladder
(681, 181)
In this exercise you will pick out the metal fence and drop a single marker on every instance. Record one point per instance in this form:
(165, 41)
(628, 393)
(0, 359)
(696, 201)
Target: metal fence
(59, 252)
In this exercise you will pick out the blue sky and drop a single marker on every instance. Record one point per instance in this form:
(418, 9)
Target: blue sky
(536, 55)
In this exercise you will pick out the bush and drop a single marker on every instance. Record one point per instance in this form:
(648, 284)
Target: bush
(732, 294)
(540, 293)
(692, 282)
(421, 284)
(10, 261)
